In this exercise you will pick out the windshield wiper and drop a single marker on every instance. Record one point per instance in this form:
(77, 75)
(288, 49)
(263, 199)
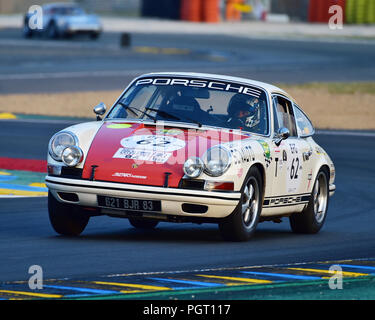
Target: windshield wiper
(134, 108)
(168, 114)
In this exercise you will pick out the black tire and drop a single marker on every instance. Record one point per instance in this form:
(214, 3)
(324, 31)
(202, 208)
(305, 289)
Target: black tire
(52, 31)
(66, 219)
(240, 226)
(67, 36)
(143, 223)
(312, 219)
(94, 35)
(27, 32)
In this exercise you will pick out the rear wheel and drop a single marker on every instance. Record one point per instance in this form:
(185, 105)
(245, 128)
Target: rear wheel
(66, 219)
(143, 223)
(311, 220)
(241, 224)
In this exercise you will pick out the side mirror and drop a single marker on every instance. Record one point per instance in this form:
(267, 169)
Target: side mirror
(282, 134)
(99, 110)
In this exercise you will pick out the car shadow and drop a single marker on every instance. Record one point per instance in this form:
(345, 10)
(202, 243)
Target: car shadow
(172, 234)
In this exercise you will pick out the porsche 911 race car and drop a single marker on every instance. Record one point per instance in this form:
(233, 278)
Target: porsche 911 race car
(63, 20)
(190, 147)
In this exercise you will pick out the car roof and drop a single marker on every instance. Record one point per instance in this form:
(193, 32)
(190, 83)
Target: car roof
(266, 86)
(60, 4)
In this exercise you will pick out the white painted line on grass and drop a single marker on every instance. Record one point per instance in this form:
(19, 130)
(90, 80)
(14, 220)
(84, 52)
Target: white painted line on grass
(8, 196)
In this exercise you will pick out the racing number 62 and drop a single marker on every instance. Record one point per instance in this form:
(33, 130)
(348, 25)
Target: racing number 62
(294, 169)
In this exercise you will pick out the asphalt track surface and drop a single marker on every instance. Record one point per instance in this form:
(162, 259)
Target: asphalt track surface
(40, 65)
(111, 246)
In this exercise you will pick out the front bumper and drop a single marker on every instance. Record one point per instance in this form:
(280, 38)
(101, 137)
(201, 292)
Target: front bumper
(72, 28)
(220, 204)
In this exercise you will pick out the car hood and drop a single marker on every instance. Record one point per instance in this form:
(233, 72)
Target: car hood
(138, 153)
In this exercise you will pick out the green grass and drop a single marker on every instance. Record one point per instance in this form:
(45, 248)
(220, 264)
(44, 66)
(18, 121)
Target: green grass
(336, 87)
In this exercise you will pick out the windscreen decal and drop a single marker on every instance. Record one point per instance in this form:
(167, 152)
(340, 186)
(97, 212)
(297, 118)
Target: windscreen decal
(214, 85)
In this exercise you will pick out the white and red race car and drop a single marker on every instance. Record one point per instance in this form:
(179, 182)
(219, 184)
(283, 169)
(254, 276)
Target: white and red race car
(189, 147)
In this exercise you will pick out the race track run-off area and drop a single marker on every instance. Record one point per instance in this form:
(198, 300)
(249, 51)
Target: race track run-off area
(22, 177)
(325, 280)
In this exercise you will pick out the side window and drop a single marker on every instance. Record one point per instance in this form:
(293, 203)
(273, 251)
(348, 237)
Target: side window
(283, 115)
(304, 126)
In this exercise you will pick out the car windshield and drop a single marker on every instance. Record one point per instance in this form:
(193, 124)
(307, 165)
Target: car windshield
(196, 101)
(67, 11)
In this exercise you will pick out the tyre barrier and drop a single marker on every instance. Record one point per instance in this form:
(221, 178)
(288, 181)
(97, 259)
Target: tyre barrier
(200, 10)
(370, 17)
(319, 9)
(360, 11)
(355, 11)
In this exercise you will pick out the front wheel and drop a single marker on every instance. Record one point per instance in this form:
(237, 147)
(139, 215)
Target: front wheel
(66, 219)
(241, 224)
(311, 219)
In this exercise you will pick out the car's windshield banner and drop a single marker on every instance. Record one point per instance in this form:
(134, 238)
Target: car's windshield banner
(200, 83)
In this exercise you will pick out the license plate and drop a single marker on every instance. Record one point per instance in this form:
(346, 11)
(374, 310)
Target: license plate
(129, 204)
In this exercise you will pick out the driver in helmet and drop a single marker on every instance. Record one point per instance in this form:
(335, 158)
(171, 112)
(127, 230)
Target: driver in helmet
(243, 112)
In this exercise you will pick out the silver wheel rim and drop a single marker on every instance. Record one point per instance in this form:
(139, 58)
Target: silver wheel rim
(250, 203)
(320, 197)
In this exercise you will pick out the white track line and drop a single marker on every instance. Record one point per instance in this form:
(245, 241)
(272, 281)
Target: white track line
(51, 121)
(61, 75)
(345, 133)
(229, 268)
(6, 196)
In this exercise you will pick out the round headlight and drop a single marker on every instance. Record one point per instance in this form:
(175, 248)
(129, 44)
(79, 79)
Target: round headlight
(71, 156)
(59, 142)
(217, 161)
(193, 167)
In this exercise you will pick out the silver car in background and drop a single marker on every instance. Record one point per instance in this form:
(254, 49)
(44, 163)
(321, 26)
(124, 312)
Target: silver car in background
(64, 20)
